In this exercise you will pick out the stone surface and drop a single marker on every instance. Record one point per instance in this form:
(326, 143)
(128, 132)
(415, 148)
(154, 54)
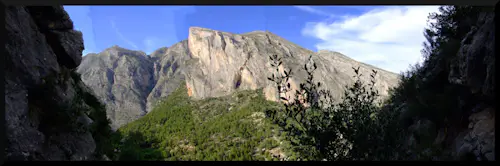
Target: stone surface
(477, 69)
(477, 57)
(467, 134)
(32, 68)
(480, 138)
(51, 18)
(70, 46)
(473, 70)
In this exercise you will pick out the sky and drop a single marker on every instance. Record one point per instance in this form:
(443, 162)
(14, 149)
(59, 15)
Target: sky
(389, 37)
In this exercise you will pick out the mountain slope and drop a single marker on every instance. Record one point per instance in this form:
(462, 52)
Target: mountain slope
(211, 64)
(122, 79)
(180, 128)
(168, 66)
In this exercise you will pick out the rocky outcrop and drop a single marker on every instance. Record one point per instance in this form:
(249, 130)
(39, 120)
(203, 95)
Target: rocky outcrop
(476, 57)
(477, 72)
(211, 64)
(479, 139)
(58, 30)
(45, 118)
(468, 134)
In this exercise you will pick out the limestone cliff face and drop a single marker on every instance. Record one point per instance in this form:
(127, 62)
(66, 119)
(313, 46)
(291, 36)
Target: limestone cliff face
(221, 60)
(41, 116)
(211, 64)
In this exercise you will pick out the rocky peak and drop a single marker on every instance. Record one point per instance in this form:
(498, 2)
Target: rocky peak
(158, 53)
(122, 79)
(116, 50)
(335, 54)
(256, 32)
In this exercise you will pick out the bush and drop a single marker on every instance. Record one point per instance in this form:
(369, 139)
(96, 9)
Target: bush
(320, 129)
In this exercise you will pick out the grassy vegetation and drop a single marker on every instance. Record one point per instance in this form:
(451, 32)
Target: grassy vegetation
(232, 127)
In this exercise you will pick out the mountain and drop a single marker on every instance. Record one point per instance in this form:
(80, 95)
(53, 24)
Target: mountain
(210, 63)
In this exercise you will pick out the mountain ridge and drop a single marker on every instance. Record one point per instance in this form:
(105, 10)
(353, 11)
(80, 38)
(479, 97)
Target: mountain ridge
(209, 63)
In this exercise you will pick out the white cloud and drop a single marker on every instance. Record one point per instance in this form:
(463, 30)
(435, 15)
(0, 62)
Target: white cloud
(121, 36)
(313, 10)
(390, 38)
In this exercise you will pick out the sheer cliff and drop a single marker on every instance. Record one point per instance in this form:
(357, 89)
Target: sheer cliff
(49, 113)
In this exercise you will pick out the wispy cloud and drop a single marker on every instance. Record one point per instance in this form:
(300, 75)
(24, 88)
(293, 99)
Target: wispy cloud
(121, 36)
(313, 10)
(390, 38)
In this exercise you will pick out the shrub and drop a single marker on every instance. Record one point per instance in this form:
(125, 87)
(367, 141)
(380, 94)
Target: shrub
(320, 129)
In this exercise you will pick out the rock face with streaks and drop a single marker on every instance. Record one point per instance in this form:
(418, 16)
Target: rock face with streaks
(45, 118)
(221, 60)
(476, 62)
(470, 133)
(211, 64)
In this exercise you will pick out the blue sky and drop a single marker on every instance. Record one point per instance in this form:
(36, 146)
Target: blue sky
(387, 37)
